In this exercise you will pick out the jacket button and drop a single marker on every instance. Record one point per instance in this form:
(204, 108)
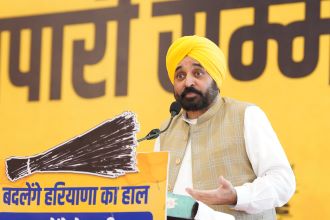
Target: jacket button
(177, 161)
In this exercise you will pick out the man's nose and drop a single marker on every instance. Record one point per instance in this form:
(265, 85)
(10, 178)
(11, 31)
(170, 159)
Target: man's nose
(190, 80)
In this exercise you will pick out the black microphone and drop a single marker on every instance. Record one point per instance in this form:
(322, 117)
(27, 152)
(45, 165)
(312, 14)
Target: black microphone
(175, 108)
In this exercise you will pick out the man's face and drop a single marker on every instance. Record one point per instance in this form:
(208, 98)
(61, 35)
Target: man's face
(194, 88)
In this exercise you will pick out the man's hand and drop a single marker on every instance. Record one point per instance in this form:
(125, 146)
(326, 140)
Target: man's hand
(225, 194)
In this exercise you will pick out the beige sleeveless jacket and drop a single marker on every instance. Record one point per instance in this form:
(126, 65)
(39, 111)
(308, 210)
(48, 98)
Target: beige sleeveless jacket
(218, 148)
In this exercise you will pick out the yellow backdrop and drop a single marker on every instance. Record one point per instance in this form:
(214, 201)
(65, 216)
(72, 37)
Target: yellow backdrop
(65, 66)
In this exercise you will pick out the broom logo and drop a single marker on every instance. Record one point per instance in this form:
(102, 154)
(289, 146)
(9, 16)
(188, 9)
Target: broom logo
(107, 150)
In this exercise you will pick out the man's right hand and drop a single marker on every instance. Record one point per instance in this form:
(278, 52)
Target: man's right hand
(225, 194)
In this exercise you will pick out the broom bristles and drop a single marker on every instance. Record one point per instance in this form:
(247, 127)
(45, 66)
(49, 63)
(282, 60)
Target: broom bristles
(106, 150)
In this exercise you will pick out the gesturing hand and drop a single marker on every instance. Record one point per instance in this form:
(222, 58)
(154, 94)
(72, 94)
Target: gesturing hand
(225, 194)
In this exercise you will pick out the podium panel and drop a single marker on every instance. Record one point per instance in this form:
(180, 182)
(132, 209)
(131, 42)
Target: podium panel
(72, 196)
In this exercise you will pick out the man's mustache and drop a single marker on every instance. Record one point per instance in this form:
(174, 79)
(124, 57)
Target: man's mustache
(190, 90)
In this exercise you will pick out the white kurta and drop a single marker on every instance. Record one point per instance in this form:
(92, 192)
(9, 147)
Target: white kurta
(275, 182)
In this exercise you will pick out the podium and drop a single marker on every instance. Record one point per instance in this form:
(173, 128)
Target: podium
(96, 175)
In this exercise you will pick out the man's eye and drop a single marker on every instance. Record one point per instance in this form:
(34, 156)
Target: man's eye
(199, 73)
(180, 76)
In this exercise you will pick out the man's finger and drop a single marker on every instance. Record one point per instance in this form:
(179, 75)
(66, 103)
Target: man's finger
(190, 191)
(224, 183)
(206, 196)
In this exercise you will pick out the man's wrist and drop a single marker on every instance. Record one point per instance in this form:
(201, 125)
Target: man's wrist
(233, 200)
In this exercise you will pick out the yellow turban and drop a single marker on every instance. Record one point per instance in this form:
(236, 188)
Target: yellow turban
(207, 53)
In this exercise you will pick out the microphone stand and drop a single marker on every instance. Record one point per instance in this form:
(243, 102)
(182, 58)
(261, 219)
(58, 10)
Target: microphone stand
(154, 133)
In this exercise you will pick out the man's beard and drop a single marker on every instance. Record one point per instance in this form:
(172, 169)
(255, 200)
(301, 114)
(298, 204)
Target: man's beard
(199, 102)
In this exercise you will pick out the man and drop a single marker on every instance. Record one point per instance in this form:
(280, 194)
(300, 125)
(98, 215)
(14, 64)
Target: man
(224, 153)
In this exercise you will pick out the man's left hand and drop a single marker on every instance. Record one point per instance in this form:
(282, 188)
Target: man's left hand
(225, 194)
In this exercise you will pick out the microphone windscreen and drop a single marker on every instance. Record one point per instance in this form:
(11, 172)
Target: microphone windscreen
(180, 206)
(175, 108)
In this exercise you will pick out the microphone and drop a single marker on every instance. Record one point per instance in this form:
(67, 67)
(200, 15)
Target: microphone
(175, 108)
